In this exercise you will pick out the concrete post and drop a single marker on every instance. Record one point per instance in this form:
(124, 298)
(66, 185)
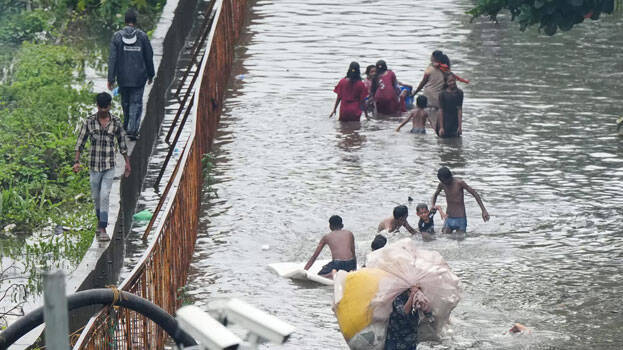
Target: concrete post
(55, 311)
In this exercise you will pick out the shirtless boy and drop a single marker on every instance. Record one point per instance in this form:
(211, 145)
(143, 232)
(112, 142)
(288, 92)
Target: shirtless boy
(342, 245)
(419, 117)
(453, 187)
(398, 220)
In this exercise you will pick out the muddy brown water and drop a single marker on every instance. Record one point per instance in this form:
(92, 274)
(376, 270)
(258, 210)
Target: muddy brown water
(539, 145)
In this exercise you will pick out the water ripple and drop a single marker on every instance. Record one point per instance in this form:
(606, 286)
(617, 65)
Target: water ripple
(538, 145)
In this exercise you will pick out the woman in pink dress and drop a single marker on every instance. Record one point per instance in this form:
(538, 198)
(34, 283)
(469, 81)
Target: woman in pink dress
(385, 89)
(351, 95)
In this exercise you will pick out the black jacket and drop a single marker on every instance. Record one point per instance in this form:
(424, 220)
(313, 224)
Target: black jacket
(131, 60)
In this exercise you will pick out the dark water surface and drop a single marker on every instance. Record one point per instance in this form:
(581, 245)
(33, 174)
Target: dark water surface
(539, 145)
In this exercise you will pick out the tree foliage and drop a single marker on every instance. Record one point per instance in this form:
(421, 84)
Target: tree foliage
(38, 115)
(549, 15)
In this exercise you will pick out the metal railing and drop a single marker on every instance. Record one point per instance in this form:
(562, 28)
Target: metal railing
(163, 269)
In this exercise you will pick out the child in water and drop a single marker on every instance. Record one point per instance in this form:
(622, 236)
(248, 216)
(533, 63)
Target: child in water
(369, 102)
(398, 220)
(342, 245)
(426, 223)
(419, 117)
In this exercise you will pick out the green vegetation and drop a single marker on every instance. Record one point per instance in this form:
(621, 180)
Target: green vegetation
(549, 15)
(46, 48)
(43, 95)
(39, 112)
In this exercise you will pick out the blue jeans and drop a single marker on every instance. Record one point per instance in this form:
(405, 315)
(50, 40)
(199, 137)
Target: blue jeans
(132, 105)
(459, 224)
(101, 183)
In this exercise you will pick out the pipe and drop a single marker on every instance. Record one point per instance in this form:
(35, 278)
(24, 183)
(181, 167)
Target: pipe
(101, 296)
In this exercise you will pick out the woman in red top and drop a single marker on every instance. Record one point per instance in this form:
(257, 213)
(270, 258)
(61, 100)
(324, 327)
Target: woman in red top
(351, 94)
(386, 91)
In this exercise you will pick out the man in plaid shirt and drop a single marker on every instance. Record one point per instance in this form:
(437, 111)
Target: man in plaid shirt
(102, 129)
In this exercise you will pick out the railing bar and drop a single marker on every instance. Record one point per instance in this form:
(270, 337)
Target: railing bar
(179, 111)
(163, 199)
(177, 136)
(205, 27)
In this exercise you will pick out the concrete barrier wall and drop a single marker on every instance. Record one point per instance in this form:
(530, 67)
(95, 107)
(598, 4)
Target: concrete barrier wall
(163, 269)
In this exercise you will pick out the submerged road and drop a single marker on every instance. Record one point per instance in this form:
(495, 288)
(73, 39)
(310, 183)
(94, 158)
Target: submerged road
(539, 145)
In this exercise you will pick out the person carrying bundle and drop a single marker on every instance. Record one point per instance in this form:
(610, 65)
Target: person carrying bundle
(402, 329)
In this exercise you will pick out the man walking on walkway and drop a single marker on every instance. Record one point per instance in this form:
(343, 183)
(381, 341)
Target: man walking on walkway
(102, 129)
(131, 64)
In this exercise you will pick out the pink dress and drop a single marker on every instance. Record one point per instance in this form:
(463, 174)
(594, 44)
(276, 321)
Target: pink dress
(387, 101)
(352, 95)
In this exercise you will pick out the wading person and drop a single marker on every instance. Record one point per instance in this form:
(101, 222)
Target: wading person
(102, 128)
(386, 91)
(427, 222)
(396, 221)
(402, 329)
(351, 95)
(342, 245)
(131, 64)
(456, 219)
(432, 83)
(451, 110)
(370, 73)
(419, 117)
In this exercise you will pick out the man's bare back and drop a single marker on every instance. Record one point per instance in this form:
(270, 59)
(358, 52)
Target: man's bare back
(388, 225)
(340, 241)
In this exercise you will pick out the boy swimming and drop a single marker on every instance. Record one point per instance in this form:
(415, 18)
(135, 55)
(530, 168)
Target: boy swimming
(342, 245)
(453, 187)
(419, 116)
(398, 220)
(426, 223)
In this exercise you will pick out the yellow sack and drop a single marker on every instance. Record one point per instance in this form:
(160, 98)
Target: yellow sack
(353, 310)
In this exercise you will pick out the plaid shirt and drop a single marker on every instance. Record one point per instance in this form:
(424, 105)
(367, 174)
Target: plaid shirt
(102, 150)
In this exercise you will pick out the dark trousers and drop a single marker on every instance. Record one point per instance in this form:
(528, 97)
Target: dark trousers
(132, 105)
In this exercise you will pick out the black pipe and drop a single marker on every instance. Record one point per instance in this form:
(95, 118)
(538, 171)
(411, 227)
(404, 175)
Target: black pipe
(103, 296)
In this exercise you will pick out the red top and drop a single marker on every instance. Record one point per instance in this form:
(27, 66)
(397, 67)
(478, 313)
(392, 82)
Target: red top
(386, 97)
(352, 95)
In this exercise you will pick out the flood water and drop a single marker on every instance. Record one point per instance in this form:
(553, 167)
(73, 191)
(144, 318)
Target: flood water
(539, 145)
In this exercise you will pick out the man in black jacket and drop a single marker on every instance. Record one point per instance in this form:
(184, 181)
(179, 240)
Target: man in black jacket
(131, 64)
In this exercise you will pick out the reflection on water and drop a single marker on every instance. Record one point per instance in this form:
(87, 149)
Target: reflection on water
(349, 138)
(539, 145)
(451, 153)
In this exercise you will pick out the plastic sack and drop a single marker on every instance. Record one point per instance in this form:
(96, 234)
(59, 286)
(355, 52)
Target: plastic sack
(363, 315)
(357, 290)
(144, 215)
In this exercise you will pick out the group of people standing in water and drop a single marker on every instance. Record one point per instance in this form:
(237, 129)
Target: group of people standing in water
(440, 104)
